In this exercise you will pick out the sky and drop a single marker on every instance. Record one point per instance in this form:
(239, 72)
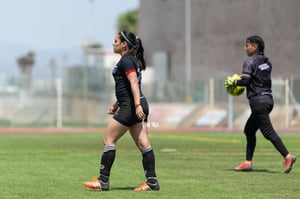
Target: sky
(60, 24)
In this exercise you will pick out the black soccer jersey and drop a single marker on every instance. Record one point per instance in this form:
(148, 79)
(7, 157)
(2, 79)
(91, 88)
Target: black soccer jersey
(126, 65)
(257, 76)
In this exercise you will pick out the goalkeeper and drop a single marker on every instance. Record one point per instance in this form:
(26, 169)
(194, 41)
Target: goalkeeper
(256, 77)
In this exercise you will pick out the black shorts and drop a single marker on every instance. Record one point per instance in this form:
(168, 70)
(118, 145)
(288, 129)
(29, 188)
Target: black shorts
(126, 113)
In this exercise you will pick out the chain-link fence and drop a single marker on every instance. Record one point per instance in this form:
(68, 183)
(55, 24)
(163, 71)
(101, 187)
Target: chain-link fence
(82, 97)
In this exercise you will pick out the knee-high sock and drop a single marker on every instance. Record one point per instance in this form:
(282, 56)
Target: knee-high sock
(149, 164)
(107, 160)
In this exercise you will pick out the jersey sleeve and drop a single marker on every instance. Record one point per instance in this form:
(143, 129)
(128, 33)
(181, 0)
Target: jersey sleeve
(127, 65)
(246, 74)
(247, 67)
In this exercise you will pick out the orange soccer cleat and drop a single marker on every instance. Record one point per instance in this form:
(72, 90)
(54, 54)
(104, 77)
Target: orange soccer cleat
(244, 166)
(288, 163)
(147, 187)
(97, 184)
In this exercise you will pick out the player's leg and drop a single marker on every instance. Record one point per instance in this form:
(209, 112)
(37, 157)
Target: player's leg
(269, 133)
(250, 133)
(250, 130)
(113, 132)
(139, 133)
(267, 129)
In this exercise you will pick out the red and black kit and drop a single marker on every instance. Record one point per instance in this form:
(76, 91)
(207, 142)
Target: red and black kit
(126, 113)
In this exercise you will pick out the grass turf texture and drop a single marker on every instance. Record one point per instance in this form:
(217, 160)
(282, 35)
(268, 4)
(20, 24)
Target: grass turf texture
(189, 165)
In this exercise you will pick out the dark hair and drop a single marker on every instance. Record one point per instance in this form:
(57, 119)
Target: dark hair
(259, 41)
(135, 45)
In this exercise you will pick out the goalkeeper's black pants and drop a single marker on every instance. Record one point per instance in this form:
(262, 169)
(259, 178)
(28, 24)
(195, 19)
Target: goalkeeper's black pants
(260, 119)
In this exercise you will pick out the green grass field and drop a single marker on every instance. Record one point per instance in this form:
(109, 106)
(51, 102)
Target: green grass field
(189, 165)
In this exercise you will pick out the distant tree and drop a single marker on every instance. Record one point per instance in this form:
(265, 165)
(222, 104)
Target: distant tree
(128, 21)
(26, 63)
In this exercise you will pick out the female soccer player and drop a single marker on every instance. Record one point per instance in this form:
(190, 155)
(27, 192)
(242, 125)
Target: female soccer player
(256, 76)
(130, 112)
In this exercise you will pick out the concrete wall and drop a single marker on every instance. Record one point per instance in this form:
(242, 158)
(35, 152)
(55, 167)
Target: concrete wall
(219, 29)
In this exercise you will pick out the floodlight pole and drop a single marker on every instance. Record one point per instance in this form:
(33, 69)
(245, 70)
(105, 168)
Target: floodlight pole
(59, 103)
(188, 48)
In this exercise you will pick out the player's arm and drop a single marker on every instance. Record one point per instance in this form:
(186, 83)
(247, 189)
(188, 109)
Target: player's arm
(134, 84)
(244, 81)
(246, 75)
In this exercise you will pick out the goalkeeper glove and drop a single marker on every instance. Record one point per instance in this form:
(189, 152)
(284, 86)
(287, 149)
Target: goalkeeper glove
(229, 81)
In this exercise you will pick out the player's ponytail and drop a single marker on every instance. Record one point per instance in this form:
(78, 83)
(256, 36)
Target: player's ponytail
(139, 52)
(135, 45)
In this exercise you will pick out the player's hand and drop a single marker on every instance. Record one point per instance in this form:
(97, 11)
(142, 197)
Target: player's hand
(113, 109)
(139, 112)
(229, 81)
(236, 76)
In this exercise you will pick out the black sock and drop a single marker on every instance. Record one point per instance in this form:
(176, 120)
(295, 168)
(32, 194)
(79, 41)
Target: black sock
(107, 161)
(149, 165)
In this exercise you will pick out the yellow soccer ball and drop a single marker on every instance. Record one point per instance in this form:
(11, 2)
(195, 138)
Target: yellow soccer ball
(235, 90)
